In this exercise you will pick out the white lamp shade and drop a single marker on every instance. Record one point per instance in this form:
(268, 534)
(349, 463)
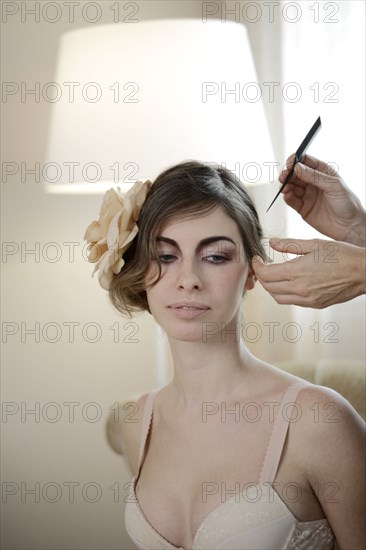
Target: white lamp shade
(137, 98)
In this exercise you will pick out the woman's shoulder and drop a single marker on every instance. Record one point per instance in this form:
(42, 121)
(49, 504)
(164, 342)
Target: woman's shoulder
(315, 403)
(270, 382)
(322, 424)
(124, 428)
(326, 414)
(321, 421)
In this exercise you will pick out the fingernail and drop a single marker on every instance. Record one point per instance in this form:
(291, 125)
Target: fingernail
(257, 259)
(299, 167)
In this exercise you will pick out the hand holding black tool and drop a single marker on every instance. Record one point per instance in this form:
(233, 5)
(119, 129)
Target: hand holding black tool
(300, 153)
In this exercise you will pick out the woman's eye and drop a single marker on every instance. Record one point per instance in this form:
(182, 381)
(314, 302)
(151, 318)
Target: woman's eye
(166, 258)
(210, 258)
(216, 259)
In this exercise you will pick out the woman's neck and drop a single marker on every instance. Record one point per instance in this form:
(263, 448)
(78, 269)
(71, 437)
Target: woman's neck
(208, 371)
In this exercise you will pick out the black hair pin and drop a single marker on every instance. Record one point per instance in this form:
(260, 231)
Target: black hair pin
(300, 153)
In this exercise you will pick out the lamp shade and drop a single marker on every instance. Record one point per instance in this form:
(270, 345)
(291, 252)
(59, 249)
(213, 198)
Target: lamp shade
(133, 99)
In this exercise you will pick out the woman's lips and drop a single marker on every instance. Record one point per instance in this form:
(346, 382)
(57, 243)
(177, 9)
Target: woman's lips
(189, 305)
(188, 310)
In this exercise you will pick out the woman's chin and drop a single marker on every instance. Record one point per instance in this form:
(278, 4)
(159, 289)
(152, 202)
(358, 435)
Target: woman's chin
(186, 336)
(204, 335)
(186, 332)
(201, 332)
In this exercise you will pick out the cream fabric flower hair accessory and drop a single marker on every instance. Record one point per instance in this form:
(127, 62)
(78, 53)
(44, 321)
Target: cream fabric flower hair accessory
(113, 233)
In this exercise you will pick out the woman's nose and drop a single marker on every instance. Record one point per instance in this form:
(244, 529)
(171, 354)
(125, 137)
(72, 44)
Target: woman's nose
(189, 277)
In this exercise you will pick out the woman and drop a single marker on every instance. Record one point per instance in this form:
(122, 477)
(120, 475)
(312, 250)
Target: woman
(232, 453)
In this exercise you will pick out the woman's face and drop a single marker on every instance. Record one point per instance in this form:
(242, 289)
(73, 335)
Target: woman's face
(204, 275)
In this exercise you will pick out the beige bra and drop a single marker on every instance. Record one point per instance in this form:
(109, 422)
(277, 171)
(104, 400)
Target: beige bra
(257, 520)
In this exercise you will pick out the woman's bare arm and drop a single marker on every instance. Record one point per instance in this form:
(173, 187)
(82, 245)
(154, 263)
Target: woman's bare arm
(334, 454)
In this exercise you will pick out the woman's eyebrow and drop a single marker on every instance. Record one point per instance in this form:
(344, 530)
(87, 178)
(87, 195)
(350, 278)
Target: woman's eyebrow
(202, 243)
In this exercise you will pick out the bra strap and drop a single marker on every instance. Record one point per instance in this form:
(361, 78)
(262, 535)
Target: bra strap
(279, 431)
(146, 421)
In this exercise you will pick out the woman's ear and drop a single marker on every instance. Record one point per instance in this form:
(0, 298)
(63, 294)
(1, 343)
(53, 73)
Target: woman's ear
(251, 279)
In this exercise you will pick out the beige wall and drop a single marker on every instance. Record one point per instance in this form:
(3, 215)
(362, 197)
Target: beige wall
(47, 376)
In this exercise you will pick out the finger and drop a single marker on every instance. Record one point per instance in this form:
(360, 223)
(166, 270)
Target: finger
(259, 267)
(290, 297)
(313, 162)
(305, 175)
(286, 296)
(294, 300)
(290, 160)
(271, 273)
(288, 270)
(318, 170)
(292, 200)
(287, 168)
(280, 288)
(283, 175)
(293, 246)
(319, 165)
(298, 191)
(288, 165)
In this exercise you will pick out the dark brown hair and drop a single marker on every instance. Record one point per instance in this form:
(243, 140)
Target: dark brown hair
(190, 189)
